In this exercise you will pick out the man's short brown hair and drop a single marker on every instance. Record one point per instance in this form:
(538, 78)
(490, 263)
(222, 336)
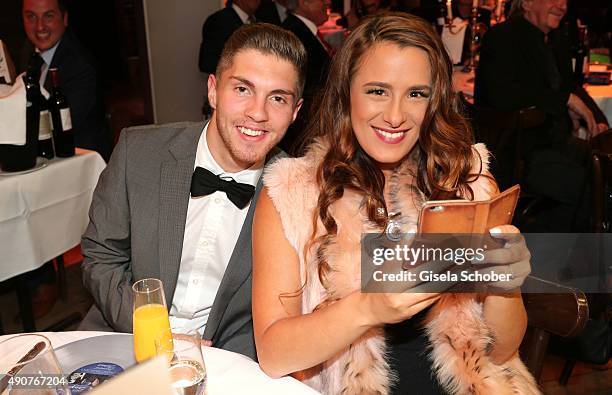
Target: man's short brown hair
(268, 39)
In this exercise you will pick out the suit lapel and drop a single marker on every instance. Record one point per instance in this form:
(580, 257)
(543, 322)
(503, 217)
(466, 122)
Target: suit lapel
(237, 21)
(175, 182)
(59, 54)
(240, 264)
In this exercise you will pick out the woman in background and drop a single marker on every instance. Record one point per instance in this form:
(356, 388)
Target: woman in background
(387, 137)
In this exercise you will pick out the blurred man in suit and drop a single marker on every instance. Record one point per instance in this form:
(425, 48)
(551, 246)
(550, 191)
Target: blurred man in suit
(51, 43)
(526, 61)
(176, 202)
(307, 15)
(46, 26)
(216, 30)
(272, 11)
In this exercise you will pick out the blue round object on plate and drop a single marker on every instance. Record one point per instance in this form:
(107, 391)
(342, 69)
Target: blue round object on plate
(100, 355)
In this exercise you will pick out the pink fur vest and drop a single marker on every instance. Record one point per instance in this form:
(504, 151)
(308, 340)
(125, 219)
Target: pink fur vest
(455, 326)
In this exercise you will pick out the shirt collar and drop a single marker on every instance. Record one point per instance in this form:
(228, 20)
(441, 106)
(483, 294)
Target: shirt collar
(47, 55)
(244, 17)
(309, 24)
(205, 159)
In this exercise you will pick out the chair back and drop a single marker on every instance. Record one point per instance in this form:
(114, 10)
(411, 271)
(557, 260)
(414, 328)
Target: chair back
(502, 131)
(601, 146)
(557, 310)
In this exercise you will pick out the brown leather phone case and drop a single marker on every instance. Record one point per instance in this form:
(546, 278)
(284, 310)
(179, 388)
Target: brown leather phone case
(462, 216)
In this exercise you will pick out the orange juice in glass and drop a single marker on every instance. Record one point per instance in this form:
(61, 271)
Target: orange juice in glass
(150, 317)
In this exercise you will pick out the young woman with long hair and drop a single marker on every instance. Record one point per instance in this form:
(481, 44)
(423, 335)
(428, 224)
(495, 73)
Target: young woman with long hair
(386, 137)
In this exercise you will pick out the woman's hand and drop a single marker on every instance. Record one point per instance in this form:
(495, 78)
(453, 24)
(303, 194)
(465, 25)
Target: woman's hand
(512, 260)
(390, 308)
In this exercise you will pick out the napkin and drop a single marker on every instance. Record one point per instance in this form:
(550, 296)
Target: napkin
(7, 69)
(13, 113)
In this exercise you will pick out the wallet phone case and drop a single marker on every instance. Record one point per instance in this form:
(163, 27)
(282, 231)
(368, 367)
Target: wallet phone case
(464, 216)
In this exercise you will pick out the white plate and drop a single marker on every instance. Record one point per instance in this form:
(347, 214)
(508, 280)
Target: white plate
(113, 348)
(40, 163)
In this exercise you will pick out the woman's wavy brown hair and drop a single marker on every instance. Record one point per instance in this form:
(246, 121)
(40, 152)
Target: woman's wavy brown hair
(445, 139)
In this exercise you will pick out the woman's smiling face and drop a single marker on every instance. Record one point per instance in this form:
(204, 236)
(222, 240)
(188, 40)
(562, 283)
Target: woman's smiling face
(389, 96)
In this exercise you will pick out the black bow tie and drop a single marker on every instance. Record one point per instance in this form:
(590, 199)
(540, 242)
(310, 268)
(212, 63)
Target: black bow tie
(204, 183)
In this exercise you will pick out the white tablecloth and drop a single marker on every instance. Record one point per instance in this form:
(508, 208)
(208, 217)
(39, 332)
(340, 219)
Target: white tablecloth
(44, 213)
(602, 94)
(227, 372)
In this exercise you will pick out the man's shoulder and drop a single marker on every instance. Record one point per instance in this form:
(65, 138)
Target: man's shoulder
(223, 17)
(72, 54)
(268, 13)
(502, 30)
(294, 24)
(156, 137)
(155, 131)
(299, 28)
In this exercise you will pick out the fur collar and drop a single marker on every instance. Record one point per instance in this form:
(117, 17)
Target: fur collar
(459, 338)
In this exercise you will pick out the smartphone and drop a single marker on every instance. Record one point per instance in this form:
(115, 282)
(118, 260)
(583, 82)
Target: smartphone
(465, 216)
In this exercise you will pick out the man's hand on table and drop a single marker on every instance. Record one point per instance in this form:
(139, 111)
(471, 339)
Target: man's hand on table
(579, 110)
(601, 127)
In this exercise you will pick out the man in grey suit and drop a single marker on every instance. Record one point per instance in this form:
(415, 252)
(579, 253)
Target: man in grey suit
(174, 202)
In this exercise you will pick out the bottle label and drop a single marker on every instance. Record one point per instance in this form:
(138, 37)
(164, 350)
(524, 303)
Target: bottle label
(44, 128)
(66, 119)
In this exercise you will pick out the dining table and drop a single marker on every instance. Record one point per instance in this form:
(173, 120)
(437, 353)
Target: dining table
(601, 94)
(227, 372)
(44, 212)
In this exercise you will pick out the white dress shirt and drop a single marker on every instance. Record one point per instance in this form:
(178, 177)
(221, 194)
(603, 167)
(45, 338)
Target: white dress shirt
(47, 56)
(309, 24)
(313, 28)
(211, 230)
(244, 17)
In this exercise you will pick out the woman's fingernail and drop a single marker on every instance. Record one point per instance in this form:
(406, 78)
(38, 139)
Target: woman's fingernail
(495, 231)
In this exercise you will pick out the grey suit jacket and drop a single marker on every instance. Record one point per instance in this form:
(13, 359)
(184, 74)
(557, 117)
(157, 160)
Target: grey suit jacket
(136, 229)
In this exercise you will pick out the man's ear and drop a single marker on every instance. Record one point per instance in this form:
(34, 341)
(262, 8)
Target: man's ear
(297, 109)
(212, 91)
(527, 5)
(65, 18)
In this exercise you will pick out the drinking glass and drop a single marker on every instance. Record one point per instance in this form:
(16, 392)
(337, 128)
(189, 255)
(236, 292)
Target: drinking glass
(183, 351)
(28, 365)
(150, 316)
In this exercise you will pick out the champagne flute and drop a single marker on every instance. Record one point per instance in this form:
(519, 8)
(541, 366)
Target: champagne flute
(183, 351)
(150, 316)
(29, 366)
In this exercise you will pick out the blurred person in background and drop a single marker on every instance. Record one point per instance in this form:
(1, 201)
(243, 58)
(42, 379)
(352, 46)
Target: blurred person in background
(50, 38)
(526, 61)
(303, 21)
(361, 8)
(216, 30)
(52, 44)
(272, 11)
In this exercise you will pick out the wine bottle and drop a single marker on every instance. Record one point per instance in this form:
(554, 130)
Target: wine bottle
(580, 57)
(45, 131)
(59, 108)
